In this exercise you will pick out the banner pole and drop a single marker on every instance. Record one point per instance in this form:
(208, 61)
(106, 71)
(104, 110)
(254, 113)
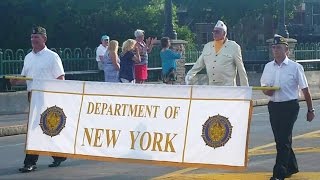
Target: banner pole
(265, 88)
(253, 88)
(17, 77)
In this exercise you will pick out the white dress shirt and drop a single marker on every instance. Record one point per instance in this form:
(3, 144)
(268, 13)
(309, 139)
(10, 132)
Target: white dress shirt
(289, 76)
(44, 64)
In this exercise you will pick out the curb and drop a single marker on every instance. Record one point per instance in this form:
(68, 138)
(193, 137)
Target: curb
(13, 130)
(22, 129)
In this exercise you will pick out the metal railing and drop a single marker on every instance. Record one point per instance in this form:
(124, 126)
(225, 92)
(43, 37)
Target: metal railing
(307, 51)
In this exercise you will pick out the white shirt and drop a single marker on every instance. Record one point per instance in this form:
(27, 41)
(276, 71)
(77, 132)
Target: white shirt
(101, 50)
(289, 76)
(44, 64)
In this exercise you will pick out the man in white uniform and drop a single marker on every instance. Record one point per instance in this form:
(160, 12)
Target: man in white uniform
(283, 106)
(222, 59)
(41, 63)
(101, 50)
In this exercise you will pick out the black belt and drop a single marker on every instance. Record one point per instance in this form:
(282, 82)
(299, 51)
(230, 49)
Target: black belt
(283, 102)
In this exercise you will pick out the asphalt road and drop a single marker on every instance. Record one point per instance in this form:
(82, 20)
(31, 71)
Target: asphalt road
(261, 151)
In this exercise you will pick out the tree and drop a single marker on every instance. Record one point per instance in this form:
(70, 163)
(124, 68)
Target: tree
(80, 23)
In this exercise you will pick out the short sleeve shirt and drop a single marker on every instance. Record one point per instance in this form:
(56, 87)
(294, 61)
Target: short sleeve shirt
(289, 76)
(44, 64)
(101, 50)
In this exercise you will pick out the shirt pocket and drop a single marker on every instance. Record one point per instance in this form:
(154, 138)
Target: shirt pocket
(225, 56)
(207, 56)
(290, 80)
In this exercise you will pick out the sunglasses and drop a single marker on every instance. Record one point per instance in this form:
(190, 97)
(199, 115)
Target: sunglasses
(217, 31)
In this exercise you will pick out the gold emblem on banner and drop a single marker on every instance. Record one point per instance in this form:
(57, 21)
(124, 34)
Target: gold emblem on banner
(52, 121)
(216, 131)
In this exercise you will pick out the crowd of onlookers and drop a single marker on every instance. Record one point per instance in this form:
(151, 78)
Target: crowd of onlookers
(131, 65)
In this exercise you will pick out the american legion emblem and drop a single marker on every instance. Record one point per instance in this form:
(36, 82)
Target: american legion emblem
(52, 121)
(216, 131)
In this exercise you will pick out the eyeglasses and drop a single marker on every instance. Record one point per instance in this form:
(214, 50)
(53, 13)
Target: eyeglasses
(216, 31)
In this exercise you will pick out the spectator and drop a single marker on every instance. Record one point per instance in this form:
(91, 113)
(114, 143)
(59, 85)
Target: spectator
(141, 68)
(127, 60)
(111, 62)
(168, 60)
(101, 50)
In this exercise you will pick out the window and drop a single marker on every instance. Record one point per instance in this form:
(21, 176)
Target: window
(316, 8)
(316, 19)
(316, 14)
(204, 38)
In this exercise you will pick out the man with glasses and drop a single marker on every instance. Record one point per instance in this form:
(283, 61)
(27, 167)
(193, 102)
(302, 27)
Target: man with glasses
(222, 59)
(283, 104)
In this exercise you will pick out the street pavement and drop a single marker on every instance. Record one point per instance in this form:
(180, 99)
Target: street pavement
(261, 157)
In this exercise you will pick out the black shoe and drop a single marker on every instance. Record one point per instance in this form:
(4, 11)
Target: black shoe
(273, 178)
(28, 168)
(56, 163)
(291, 173)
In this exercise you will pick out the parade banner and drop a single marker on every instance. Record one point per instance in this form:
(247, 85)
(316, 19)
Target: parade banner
(195, 126)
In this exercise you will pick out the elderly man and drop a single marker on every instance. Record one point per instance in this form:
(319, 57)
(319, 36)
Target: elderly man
(101, 50)
(222, 59)
(283, 106)
(43, 63)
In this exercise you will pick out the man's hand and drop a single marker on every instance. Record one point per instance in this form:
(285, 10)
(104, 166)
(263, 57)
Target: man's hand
(188, 79)
(310, 116)
(268, 92)
(14, 82)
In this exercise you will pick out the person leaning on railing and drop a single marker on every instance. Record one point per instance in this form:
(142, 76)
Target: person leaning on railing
(41, 63)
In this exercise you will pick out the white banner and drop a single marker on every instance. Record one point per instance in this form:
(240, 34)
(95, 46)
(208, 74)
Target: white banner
(198, 126)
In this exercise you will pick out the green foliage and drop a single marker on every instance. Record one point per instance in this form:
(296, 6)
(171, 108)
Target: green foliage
(78, 23)
(185, 34)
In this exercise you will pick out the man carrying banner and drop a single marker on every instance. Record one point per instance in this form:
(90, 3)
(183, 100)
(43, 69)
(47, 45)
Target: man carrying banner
(222, 59)
(283, 106)
(41, 63)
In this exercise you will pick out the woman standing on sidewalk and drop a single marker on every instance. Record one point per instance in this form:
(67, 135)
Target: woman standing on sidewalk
(127, 60)
(111, 62)
(141, 68)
